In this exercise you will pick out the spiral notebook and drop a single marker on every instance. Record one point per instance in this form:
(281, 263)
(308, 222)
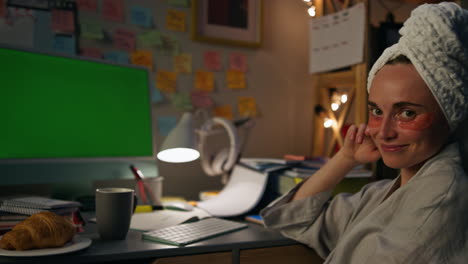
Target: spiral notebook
(29, 205)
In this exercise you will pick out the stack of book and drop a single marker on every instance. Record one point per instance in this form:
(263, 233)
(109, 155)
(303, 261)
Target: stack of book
(15, 209)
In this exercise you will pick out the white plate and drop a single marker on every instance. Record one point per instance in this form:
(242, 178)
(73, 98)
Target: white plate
(77, 243)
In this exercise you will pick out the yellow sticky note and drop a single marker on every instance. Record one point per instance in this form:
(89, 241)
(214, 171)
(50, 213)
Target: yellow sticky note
(247, 106)
(235, 79)
(175, 20)
(183, 63)
(143, 58)
(166, 81)
(204, 81)
(224, 111)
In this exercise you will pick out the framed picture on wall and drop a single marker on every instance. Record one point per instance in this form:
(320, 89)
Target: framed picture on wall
(230, 22)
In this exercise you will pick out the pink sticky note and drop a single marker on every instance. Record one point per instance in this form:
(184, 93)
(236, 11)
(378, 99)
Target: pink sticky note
(3, 8)
(124, 39)
(238, 61)
(91, 52)
(87, 5)
(212, 60)
(113, 10)
(63, 21)
(201, 99)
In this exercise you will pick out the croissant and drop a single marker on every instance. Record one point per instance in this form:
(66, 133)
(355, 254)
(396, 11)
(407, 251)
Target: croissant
(41, 230)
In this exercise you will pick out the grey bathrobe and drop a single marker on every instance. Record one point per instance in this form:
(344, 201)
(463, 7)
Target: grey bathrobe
(424, 221)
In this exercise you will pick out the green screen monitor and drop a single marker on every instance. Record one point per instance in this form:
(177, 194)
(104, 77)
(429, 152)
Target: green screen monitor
(70, 108)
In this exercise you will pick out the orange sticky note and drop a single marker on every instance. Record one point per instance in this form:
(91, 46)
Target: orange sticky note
(235, 79)
(63, 21)
(183, 63)
(175, 20)
(247, 106)
(87, 5)
(224, 111)
(212, 60)
(143, 58)
(113, 10)
(166, 81)
(91, 52)
(238, 61)
(204, 81)
(124, 39)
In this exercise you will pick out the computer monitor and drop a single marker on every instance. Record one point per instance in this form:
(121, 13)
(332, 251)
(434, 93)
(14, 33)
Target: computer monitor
(64, 108)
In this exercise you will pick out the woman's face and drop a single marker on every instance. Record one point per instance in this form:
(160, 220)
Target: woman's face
(405, 121)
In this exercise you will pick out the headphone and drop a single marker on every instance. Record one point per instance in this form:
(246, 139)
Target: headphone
(224, 160)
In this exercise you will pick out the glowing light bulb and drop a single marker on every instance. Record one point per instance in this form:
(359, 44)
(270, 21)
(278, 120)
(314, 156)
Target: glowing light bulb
(308, 1)
(311, 11)
(335, 106)
(344, 98)
(328, 122)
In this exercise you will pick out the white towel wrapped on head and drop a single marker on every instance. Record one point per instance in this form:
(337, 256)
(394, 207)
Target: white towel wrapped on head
(435, 39)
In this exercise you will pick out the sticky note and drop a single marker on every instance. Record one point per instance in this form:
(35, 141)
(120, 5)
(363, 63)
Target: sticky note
(238, 61)
(65, 45)
(142, 58)
(170, 45)
(180, 3)
(91, 52)
(166, 124)
(141, 16)
(156, 96)
(183, 63)
(235, 79)
(201, 99)
(181, 101)
(212, 60)
(91, 30)
(3, 8)
(87, 5)
(247, 106)
(224, 111)
(166, 81)
(124, 39)
(204, 81)
(175, 20)
(113, 10)
(117, 57)
(63, 21)
(149, 38)
(43, 36)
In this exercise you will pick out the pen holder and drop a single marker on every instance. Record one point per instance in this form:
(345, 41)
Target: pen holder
(152, 187)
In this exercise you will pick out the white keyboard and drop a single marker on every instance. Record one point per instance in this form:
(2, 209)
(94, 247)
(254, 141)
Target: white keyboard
(184, 234)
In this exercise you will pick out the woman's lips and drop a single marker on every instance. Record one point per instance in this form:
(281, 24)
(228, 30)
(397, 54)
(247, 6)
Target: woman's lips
(392, 148)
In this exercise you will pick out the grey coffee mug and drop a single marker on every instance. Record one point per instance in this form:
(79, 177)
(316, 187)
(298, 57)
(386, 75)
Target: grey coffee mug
(114, 209)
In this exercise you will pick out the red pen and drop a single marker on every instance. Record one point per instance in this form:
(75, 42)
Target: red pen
(138, 176)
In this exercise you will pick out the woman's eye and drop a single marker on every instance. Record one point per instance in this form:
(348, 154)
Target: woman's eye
(375, 111)
(407, 114)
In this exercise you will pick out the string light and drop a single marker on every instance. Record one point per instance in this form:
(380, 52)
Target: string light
(311, 7)
(327, 122)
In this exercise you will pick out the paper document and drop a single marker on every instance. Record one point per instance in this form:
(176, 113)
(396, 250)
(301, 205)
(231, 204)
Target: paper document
(240, 195)
(337, 40)
(164, 218)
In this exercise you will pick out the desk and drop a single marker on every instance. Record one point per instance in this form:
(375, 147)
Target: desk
(254, 244)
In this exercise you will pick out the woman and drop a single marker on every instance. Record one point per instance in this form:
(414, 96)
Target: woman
(417, 97)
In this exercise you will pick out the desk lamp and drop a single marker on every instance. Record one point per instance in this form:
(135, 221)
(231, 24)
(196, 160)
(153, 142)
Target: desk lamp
(179, 145)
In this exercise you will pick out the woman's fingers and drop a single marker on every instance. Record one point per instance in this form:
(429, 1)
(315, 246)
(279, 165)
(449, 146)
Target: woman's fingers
(360, 133)
(351, 133)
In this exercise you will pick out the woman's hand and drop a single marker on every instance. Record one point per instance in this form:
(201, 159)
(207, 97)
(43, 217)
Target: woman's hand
(358, 146)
